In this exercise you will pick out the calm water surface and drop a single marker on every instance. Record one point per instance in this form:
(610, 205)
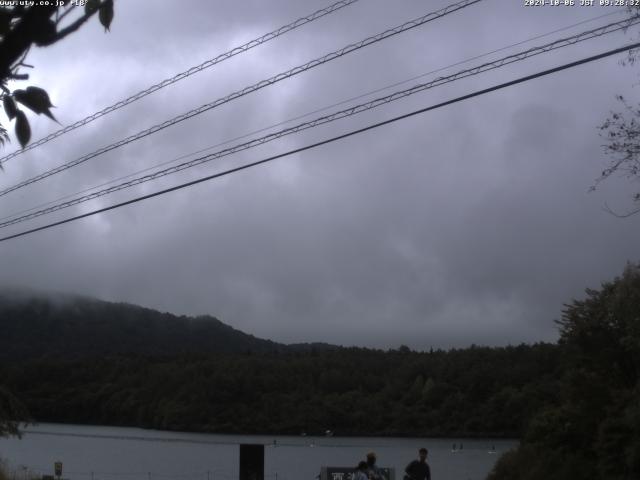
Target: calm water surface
(113, 453)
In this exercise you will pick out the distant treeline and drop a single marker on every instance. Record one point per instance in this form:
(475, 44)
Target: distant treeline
(470, 392)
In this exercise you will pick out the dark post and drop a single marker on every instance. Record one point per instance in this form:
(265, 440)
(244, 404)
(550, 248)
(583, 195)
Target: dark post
(251, 462)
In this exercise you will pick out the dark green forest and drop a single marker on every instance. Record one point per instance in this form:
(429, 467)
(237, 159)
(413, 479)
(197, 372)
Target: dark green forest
(471, 392)
(575, 404)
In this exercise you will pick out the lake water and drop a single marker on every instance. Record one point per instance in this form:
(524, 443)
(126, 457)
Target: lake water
(113, 453)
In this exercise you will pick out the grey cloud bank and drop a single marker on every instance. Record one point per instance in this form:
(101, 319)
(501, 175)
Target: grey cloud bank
(471, 224)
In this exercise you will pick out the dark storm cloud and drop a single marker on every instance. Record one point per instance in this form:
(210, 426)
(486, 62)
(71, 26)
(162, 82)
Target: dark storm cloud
(471, 224)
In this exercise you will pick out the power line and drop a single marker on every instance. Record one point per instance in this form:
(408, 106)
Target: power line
(298, 117)
(257, 86)
(561, 43)
(331, 140)
(187, 73)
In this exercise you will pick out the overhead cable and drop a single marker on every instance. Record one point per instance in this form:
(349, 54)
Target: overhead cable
(182, 75)
(257, 86)
(304, 115)
(354, 110)
(330, 140)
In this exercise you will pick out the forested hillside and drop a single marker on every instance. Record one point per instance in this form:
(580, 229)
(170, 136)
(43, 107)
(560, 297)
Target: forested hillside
(34, 325)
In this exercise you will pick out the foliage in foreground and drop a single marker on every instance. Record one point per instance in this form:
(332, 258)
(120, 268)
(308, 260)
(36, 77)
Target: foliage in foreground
(12, 412)
(8, 472)
(592, 430)
(40, 24)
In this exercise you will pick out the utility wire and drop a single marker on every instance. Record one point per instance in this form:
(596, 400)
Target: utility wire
(257, 86)
(332, 139)
(354, 110)
(187, 73)
(298, 117)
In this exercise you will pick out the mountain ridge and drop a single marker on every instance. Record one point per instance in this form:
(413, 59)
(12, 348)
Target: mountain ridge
(41, 324)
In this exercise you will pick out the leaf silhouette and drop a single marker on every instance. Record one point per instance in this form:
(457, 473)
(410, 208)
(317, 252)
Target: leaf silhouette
(45, 33)
(105, 14)
(9, 107)
(91, 6)
(23, 130)
(36, 99)
(4, 137)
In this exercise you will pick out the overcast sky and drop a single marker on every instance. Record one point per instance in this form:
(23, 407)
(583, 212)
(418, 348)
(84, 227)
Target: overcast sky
(468, 224)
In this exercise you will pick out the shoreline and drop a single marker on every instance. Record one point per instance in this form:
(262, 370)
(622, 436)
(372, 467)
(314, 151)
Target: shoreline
(315, 437)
